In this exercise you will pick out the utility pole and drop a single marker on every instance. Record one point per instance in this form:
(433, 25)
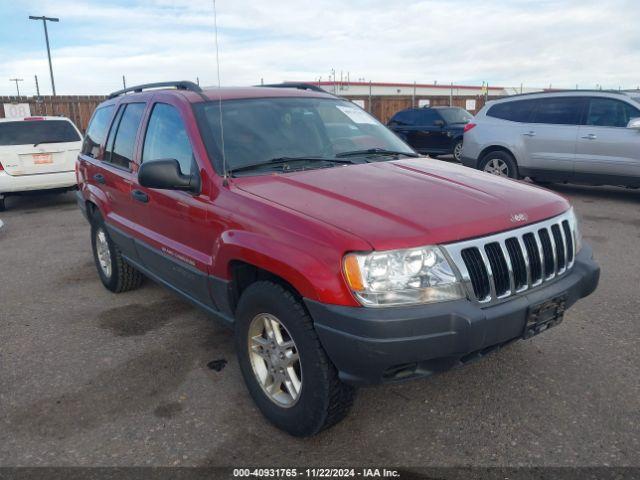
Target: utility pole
(46, 37)
(124, 83)
(17, 87)
(37, 87)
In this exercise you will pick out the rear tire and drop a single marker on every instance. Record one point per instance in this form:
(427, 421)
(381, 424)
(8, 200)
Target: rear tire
(320, 399)
(457, 151)
(115, 273)
(3, 206)
(500, 163)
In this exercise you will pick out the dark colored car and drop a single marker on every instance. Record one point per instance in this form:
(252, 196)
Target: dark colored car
(338, 257)
(432, 130)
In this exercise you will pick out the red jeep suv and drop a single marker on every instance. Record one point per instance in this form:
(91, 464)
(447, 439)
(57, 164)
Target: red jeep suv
(339, 257)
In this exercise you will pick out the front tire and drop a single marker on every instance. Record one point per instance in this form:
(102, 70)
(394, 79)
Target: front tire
(286, 370)
(115, 273)
(3, 205)
(500, 163)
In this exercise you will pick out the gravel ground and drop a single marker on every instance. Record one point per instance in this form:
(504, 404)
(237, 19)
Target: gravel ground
(92, 378)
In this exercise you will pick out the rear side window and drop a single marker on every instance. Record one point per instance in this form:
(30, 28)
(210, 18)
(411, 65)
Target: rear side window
(97, 131)
(32, 132)
(607, 112)
(515, 111)
(558, 110)
(167, 138)
(405, 117)
(428, 116)
(122, 138)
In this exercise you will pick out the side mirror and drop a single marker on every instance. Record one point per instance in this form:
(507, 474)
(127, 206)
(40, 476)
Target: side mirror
(439, 123)
(634, 123)
(166, 175)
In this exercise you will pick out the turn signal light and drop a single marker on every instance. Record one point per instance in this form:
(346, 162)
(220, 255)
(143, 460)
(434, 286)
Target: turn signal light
(468, 127)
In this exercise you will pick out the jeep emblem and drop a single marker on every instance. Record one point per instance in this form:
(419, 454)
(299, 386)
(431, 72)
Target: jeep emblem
(519, 217)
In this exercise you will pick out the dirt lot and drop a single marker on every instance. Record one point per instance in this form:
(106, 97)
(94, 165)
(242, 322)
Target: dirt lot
(92, 378)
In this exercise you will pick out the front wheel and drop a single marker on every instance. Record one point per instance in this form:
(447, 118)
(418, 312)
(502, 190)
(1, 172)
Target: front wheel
(500, 163)
(287, 372)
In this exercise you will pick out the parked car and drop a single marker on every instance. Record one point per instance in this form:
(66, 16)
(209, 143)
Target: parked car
(338, 262)
(432, 130)
(37, 153)
(573, 136)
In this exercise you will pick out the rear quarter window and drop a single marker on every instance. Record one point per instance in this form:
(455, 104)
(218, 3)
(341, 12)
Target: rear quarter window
(514, 111)
(97, 131)
(31, 132)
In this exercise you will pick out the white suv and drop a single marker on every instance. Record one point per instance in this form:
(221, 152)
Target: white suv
(37, 153)
(570, 136)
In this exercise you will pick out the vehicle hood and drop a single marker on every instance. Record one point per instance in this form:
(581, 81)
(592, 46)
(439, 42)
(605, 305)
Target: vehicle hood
(407, 203)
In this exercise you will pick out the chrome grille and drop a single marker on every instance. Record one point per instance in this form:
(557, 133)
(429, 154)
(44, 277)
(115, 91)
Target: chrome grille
(499, 266)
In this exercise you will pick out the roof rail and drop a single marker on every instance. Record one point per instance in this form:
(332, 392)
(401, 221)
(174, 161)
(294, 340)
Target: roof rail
(298, 85)
(180, 85)
(568, 90)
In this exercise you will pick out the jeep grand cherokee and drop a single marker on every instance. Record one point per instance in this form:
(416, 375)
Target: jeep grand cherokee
(340, 259)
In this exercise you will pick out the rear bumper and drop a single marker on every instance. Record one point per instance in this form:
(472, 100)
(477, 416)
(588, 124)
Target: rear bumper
(43, 181)
(469, 162)
(377, 345)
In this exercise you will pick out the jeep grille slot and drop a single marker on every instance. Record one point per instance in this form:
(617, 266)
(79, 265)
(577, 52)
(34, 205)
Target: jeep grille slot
(548, 252)
(499, 266)
(518, 262)
(569, 240)
(533, 252)
(477, 272)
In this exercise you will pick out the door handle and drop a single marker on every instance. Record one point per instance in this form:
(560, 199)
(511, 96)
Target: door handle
(530, 134)
(591, 136)
(98, 177)
(140, 196)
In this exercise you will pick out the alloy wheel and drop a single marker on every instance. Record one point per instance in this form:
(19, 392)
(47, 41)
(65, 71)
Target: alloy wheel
(275, 360)
(103, 252)
(457, 151)
(497, 166)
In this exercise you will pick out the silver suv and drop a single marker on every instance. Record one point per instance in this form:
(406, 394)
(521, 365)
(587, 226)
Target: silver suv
(571, 136)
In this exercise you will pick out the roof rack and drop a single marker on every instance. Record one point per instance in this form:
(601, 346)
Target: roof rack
(179, 85)
(568, 90)
(298, 85)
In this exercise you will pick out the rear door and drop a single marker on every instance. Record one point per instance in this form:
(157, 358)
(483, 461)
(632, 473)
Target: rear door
(549, 138)
(176, 238)
(430, 133)
(37, 145)
(114, 174)
(605, 145)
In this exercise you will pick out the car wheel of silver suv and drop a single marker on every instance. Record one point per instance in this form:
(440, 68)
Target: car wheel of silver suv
(499, 163)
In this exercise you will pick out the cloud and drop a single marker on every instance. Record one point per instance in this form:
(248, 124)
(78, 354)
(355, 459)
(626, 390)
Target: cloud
(537, 43)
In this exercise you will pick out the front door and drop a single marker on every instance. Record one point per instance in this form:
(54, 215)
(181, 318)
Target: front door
(176, 241)
(605, 146)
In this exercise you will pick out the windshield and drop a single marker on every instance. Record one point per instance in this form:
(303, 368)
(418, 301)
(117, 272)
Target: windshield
(257, 131)
(455, 115)
(32, 132)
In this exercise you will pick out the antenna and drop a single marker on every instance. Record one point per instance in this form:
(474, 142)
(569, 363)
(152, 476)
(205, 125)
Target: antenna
(225, 175)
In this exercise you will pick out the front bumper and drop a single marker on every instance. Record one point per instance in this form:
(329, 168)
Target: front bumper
(377, 345)
(42, 181)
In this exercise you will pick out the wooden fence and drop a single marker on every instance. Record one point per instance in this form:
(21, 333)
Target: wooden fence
(77, 108)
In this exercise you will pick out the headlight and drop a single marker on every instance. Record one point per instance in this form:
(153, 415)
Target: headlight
(401, 277)
(575, 228)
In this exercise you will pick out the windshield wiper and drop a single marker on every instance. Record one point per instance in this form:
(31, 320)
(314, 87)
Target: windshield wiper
(49, 141)
(376, 151)
(286, 160)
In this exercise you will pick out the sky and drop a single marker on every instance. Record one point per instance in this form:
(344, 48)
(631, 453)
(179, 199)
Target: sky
(562, 43)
